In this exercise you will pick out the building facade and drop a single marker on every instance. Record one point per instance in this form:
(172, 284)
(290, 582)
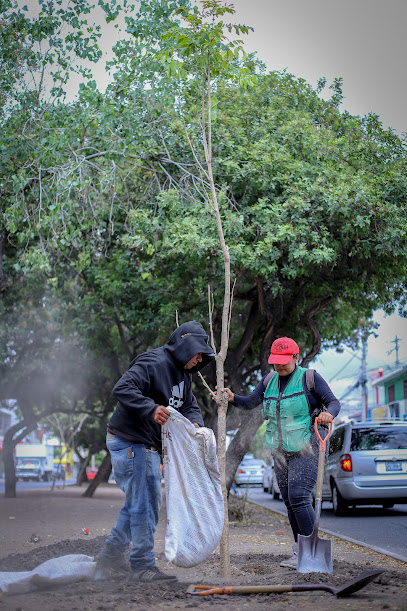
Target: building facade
(395, 395)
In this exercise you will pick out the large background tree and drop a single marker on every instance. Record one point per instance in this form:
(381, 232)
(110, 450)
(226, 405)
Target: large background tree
(312, 201)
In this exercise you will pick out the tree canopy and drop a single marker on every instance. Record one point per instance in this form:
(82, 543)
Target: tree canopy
(103, 200)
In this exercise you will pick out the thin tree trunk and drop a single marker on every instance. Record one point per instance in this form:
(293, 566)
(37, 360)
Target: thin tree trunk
(240, 443)
(9, 443)
(103, 471)
(81, 478)
(222, 400)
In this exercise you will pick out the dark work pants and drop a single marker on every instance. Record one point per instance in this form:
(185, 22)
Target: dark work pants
(296, 474)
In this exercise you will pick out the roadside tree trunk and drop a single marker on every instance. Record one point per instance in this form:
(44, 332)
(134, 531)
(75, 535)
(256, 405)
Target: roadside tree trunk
(103, 472)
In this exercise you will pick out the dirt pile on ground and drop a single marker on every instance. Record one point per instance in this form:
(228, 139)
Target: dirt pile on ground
(257, 546)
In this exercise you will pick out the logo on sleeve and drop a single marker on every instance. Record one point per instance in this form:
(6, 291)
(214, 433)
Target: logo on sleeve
(177, 398)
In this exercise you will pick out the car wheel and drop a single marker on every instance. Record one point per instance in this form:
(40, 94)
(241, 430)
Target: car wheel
(340, 506)
(275, 494)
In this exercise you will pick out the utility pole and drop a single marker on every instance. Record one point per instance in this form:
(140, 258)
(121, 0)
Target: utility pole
(363, 379)
(396, 341)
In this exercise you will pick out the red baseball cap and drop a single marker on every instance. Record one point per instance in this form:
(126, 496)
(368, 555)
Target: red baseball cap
(282, 351)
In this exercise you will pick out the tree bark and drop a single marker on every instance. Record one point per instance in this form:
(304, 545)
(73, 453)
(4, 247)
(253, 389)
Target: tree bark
(222, 398)
(81, 478)
(316, 336)
(240, 443)
(9, 443)
(103, 472)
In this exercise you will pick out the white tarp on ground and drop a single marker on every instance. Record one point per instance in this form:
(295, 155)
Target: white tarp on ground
(57, 571)
(195, 510)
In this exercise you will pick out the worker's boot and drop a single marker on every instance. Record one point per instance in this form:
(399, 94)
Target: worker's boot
(105, 559)
(291, 562)
(152, 573)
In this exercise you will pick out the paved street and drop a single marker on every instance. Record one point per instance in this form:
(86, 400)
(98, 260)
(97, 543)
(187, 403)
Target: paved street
(33, 485)
(382, 529)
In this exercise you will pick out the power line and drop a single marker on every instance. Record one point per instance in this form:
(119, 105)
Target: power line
(396, 341)
(342, 368)
(349, 389)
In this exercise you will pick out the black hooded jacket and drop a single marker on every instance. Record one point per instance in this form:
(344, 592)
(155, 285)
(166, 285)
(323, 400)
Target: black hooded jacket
(158, 378)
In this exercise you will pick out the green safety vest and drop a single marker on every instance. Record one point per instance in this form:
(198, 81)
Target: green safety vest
(288, 414)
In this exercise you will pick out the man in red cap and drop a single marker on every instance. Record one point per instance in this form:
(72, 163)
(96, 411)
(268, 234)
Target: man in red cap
(290, 405)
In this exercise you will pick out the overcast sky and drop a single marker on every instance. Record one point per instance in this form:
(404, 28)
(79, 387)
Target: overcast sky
(362, 41)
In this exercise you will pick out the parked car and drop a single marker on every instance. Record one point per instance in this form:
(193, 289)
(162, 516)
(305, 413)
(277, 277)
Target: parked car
(250, 471)
(366, 465)
(91, 472)
(270, 484)
(111, 479)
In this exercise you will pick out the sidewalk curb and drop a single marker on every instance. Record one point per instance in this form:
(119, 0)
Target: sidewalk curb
(379, 550)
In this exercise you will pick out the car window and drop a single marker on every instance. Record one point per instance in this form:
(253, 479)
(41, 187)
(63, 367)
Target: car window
(253, 463)
(336, 441)
(29, 463)
(383, 438)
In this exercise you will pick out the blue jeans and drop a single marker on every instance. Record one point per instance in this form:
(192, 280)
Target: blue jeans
(137, 472)
(296, 474)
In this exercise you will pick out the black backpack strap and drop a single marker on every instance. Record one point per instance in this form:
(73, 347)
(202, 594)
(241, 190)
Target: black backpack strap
(310, 383)
(268, 378)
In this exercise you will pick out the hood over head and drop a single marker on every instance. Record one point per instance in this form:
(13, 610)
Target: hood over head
(188, 340)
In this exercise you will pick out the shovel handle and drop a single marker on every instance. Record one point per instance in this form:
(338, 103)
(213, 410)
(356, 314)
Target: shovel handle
(322, 442)
(208, 590)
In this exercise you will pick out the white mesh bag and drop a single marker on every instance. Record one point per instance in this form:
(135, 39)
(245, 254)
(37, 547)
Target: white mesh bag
(195, 512)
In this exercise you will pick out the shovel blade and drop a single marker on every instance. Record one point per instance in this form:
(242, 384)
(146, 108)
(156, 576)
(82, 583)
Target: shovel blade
(314, 554)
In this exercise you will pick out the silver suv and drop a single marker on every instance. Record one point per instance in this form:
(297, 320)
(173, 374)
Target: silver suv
(366, 465)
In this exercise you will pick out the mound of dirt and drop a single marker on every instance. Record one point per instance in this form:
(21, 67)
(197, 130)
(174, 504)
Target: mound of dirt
(257, 547)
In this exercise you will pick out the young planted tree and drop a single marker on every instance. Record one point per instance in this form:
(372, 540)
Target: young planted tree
(197, 53)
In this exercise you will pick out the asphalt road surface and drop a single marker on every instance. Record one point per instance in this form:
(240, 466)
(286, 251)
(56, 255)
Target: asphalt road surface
(32, 485)
(381, 529)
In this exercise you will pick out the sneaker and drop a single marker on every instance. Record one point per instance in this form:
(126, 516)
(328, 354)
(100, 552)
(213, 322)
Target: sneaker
(115, 563)
(291, 562)
(151, 574)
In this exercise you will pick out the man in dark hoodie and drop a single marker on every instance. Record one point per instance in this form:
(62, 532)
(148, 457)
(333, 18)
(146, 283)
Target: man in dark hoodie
(155, 380)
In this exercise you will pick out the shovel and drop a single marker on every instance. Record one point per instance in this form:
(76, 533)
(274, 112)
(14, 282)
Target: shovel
(346, 590)
(314, 553)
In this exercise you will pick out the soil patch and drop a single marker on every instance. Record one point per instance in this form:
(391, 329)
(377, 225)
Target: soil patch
(46, 525)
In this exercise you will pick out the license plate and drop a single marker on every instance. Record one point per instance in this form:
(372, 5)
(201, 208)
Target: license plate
(394, 466)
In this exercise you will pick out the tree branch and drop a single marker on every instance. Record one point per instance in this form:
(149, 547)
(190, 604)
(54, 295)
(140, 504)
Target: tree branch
(316, 336)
